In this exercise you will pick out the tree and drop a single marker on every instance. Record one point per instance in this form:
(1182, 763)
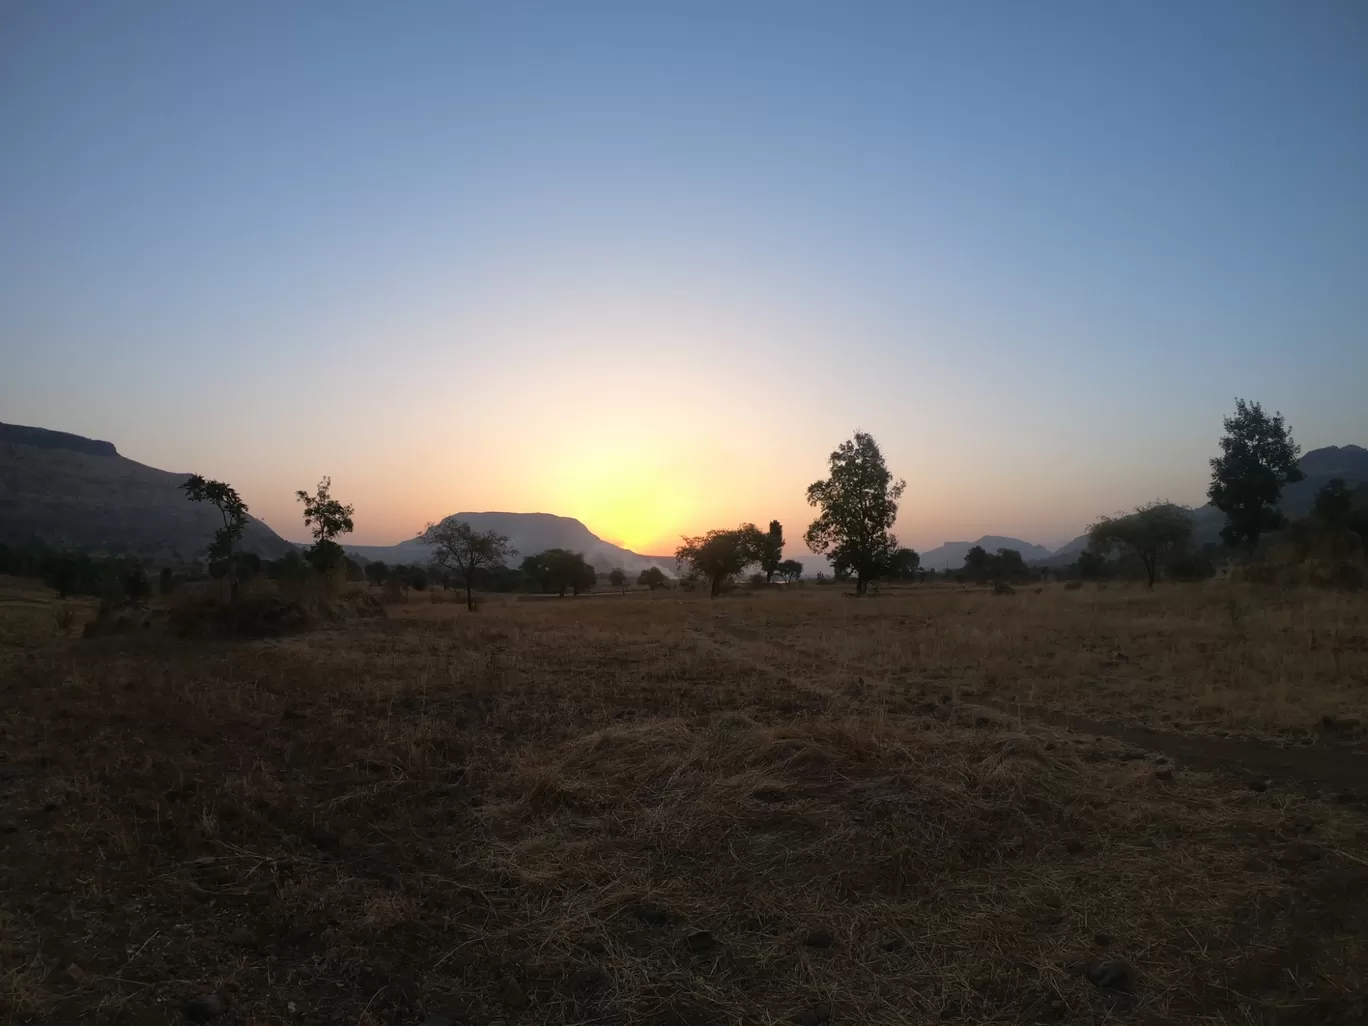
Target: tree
(977, 563)
(1153, 532)
(376, 572)
(1334, 505)
(1007, 565)
(618, 579)
(652, 577)
(791, 570)
(1091, 565)
(326, 518)
(721, 554)
(1258, 457)
(903, 564)
(560, 570)
(460, 548)
(232, 509)
(858, 503)
(772, 550)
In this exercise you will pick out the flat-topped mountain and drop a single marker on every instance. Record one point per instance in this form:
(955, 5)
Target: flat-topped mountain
(68, 491)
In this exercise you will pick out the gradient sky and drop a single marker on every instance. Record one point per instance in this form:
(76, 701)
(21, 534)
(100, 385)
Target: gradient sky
(646, 264)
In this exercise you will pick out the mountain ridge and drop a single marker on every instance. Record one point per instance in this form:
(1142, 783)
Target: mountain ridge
(69, 491)
(1349, 462)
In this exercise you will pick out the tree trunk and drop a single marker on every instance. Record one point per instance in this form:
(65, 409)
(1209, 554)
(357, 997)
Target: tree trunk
(470, 597)
(860, 585)
(716, 587)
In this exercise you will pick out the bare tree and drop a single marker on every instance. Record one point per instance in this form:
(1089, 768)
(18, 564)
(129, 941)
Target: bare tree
(465, 551)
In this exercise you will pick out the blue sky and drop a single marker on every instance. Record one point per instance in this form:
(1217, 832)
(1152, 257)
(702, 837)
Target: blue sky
(647, 264)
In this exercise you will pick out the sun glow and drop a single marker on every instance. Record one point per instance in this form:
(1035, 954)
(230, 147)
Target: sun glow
(625, 493)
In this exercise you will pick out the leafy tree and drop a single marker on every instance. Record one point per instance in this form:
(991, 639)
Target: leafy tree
(417, 578)
(1007, 565)
(376, 572)
(721, 554)
(618, 579)
(166, 581)
(560, 570)
(1258, 457)
(978, 563)
(903, 564)
(791, 570)
(1153, 532)
(458, 547)
(652, 577)
(1334, 505)
(1091, 565)
(326, 518)
(772, 550)
(858, 503)
(232, 509)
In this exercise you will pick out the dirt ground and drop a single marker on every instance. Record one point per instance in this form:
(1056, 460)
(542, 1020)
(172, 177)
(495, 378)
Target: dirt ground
(935, 805)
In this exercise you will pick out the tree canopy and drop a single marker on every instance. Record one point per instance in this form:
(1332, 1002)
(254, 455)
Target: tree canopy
(858, 503)
(652, 577)
(1154, 532)
(791, 570)
(772, 550)
(978, 563)
(458, 547)
(721, 554)
(232, 509)
(1258, 457)
(326, 518)
(560, 570)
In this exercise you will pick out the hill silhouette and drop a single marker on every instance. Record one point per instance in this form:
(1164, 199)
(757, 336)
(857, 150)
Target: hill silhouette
(1349, 462)
(529, 533)
(71, 492)
(950, 555)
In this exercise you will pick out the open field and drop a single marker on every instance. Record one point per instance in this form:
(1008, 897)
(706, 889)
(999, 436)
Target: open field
(932, 806)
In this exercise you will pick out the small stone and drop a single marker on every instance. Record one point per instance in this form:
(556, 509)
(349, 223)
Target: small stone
(819, 939)
(891, 942)
(1258, 784)
(7, 827)
(243, 938)
(814, 1016)
(1102, 940)
(1074, 846)
(701, 941)
(437, 1020)
(514, 997)
(1164, 773)
(203, 1008)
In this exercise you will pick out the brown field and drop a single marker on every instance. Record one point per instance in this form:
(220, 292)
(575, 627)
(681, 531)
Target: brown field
(931, 806)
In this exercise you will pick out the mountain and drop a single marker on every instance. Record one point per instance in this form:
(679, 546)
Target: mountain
(950, 556)
(1349, 462)
(528, 533)
(68, 491)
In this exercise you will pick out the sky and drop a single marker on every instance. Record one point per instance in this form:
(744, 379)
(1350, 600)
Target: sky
(647, 264)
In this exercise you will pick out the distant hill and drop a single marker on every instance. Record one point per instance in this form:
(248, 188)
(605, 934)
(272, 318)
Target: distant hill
(529, 533)
(68, 491)
(1320, 466)
(950, 556)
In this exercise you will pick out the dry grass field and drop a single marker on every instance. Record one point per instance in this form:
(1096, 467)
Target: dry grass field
(930, 806)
